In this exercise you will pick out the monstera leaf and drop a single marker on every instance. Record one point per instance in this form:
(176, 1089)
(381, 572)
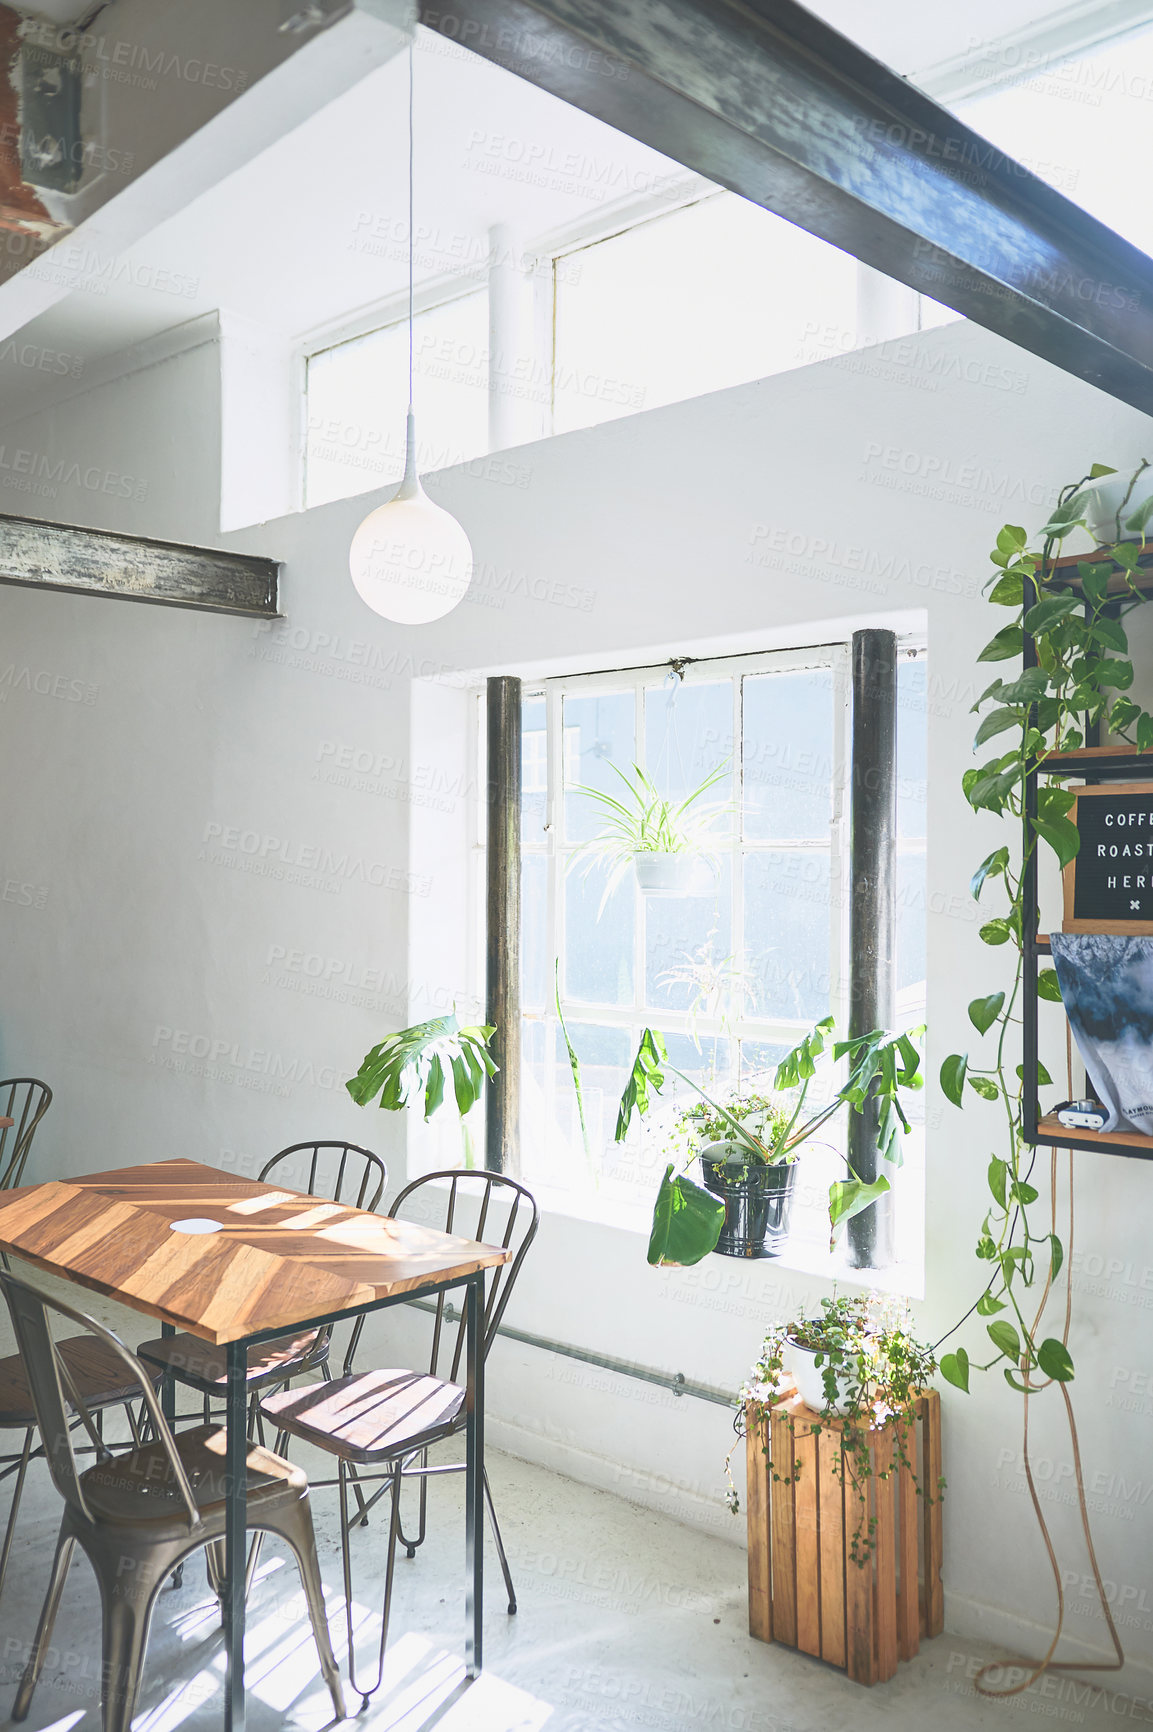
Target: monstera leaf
(687, 1221)
(849, 1197)
(418, 1061)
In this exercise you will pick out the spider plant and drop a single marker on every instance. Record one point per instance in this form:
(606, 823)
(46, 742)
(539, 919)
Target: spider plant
(640, 820)
(713, 984)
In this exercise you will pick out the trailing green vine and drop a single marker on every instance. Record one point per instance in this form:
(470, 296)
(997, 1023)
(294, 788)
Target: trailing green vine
(1079, 681)
(873, 1369)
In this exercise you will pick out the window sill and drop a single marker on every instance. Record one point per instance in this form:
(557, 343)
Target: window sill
(806, 1251)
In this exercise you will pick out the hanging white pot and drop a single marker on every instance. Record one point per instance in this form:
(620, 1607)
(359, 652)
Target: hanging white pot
(682, 874)
(1103, 503)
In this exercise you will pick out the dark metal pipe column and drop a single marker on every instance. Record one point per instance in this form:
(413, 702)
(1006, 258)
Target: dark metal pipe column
(873, 906)
(502, 915)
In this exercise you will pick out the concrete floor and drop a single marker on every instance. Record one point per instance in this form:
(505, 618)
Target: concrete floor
(627, 1620)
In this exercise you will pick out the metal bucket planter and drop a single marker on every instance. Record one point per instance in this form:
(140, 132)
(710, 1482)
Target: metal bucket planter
(758, 1200)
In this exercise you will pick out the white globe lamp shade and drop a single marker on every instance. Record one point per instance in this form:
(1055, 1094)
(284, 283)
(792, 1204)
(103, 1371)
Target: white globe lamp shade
(410, 560)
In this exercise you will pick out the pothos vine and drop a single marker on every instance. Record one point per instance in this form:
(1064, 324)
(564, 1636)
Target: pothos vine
(1079, 680)
(871, 1367)
(1074, 682)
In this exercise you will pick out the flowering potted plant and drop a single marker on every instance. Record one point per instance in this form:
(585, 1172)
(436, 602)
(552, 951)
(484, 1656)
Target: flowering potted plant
(857, 1361)
(757, 1188)
(689, 1219)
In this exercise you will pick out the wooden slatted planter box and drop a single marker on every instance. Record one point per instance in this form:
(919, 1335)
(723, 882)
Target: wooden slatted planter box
(804, 1588)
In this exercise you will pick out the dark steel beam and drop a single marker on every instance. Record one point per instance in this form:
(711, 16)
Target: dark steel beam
(502, 946)
(131, 568)
(766, 99)
(872, 908)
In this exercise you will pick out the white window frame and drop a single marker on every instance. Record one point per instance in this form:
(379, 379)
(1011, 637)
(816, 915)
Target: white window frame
(585, 1201)
(547, 254)
(805, 1251)
(558, 849)
(380, 316)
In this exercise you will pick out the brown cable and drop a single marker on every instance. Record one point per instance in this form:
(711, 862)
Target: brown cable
(1037, 1668)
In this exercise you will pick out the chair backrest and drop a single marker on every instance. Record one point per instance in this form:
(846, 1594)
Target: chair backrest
(53, 1392)
(343, 1171)
(506, 1215)
(24, 1100)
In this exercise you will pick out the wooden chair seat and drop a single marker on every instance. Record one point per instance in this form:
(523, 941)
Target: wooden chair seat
(205, 1366)
(97, 1372)
(138, 1490)
(371, 1415)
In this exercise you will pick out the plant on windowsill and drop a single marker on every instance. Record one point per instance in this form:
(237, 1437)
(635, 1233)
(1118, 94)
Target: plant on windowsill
(688, 1219)
(757, 1194)
(667, 843)
(857, 1362)
(413, 1067)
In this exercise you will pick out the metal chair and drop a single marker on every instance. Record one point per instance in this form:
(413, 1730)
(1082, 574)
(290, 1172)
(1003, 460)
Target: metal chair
(24, 1100)
(137, 1516)
(98, 1376)
(389, 1419)
(358, 1182)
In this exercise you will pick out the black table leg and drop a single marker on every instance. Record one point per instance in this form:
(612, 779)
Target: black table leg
(168, 1383)
(474, 1476)
(168, 1409)
(235, 1533)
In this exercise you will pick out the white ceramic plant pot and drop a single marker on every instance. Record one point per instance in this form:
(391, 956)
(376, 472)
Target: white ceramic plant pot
(809, 1378)
(672, 874)
(1104, 502)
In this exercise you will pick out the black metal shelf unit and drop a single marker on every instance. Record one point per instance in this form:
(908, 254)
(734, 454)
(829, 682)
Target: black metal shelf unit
(1092, 764)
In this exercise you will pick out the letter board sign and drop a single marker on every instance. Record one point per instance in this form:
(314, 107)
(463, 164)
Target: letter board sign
(1109, 886)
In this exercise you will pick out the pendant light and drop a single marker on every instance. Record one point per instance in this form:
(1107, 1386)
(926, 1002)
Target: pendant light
(410, 560)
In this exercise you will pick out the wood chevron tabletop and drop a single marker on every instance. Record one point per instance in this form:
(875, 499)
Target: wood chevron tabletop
(243, 1257)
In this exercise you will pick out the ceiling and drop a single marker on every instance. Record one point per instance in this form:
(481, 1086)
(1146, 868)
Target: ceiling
(915, 37)
(313, 230)
(315, 227)
(61, 11)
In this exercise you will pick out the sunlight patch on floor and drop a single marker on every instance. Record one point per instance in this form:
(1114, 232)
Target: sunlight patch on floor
(282, 1668)
(425, 1687)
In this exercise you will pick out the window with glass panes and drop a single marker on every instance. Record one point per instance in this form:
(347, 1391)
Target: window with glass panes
(354, 436)
(732, 977)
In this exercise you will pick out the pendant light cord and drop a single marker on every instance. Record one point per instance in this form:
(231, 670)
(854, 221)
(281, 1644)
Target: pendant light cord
(409, 483)
(411, 237)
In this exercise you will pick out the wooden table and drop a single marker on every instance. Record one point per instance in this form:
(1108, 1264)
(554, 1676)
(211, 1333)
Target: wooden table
(281, 1260)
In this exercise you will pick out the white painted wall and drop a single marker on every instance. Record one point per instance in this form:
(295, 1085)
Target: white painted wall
(149, 931)
(142, 450)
